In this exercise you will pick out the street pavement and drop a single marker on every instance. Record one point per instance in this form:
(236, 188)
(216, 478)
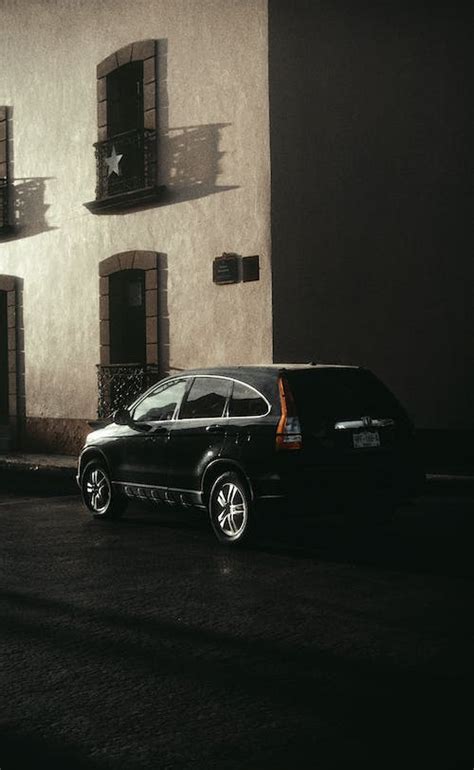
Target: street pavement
(145, 644)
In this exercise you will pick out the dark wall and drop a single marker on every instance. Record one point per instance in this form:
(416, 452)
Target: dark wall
(371, 195)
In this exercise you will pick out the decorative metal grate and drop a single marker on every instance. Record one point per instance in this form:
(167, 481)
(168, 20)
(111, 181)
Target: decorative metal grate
(135, 170)
(120, 384)
(3, 203)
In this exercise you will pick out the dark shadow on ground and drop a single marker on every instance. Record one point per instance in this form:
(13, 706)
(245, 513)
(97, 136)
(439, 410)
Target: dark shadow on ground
(38, 483)
(222, 665)
(25, 752)
(431, 535)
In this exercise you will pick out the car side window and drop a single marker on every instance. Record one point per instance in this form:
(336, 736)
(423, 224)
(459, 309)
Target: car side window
(161, 403)
(206, 398)
(246, 402)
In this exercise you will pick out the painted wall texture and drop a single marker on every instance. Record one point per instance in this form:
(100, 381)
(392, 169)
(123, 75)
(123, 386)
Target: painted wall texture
(372, 194)
(213, 158)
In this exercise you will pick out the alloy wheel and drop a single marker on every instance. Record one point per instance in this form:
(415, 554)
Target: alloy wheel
(97, 489)
(231, 510)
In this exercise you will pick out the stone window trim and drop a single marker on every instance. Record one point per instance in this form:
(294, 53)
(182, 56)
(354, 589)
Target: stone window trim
(8, 284)
(144, 50)
(5, 227)
(147, 52)
(130, 260)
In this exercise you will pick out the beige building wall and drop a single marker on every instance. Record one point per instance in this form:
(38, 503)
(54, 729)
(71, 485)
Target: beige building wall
(214, 160)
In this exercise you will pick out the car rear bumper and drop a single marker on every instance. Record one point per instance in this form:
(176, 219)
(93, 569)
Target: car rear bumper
(309, 487)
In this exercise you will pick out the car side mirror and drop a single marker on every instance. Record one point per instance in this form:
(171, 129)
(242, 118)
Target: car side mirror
(122, 417)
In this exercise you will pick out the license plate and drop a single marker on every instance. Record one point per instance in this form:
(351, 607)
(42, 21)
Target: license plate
(366, 439)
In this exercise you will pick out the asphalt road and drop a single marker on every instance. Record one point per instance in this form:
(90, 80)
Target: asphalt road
(146, 644)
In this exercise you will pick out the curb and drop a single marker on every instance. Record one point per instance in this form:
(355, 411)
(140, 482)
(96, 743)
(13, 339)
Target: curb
(48, 476)
(448, 484)
(57, 475)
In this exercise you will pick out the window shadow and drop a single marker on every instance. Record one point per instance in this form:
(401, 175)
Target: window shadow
(27, 206)
(189, 157)
(191, 161)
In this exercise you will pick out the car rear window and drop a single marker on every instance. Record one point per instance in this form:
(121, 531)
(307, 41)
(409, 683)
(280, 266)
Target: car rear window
(339, 394)
(207, 398)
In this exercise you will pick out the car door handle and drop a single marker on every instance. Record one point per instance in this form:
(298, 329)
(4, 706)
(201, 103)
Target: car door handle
(215, 429)
(159, 432)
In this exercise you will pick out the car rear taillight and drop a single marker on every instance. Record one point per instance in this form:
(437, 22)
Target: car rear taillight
(288, 435)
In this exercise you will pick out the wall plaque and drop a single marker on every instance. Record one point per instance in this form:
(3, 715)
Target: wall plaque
(225, 269)
(250, 268)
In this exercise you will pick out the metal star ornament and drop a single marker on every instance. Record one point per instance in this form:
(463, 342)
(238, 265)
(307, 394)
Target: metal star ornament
(113, 162)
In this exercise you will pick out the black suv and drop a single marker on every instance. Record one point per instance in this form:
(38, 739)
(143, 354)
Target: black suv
(229, 439)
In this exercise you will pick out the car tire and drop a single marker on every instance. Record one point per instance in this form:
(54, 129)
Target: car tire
(230, 509)
(98, 493)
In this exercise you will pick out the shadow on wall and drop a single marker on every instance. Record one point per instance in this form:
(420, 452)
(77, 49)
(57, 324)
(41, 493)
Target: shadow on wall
(27, 196)
(189, 157)
(29, 207)
(191, 162)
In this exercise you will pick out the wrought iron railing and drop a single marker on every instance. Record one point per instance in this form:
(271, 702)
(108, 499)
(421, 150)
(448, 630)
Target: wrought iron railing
(120, 384)
(4, 203)
(134, 170)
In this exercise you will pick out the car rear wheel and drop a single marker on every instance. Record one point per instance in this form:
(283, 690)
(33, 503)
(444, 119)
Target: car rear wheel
(98, 494)
(230, 509)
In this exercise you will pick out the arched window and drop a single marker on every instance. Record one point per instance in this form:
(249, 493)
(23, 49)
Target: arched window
(127, 317)
(128, 328)
(126, 150)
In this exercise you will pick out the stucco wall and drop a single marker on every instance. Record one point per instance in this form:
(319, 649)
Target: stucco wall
(214, 150)
(371, 194)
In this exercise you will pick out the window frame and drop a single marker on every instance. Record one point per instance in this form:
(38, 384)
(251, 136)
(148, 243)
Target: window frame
(246, 416)
(190, 378)
(225, 410)
(154, 391)
(125, 196)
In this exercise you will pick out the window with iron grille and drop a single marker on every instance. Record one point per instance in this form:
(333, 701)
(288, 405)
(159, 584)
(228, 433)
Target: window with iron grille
(126, 150)
(128, 328)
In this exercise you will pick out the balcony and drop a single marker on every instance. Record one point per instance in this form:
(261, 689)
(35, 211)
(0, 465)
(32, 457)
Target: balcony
(126, 172)
(120, 384)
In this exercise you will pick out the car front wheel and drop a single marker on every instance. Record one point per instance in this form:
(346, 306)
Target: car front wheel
(98, 494)
(230, 509)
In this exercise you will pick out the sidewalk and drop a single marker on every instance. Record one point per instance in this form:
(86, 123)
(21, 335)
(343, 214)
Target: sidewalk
(58, 472)
(39, 472)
